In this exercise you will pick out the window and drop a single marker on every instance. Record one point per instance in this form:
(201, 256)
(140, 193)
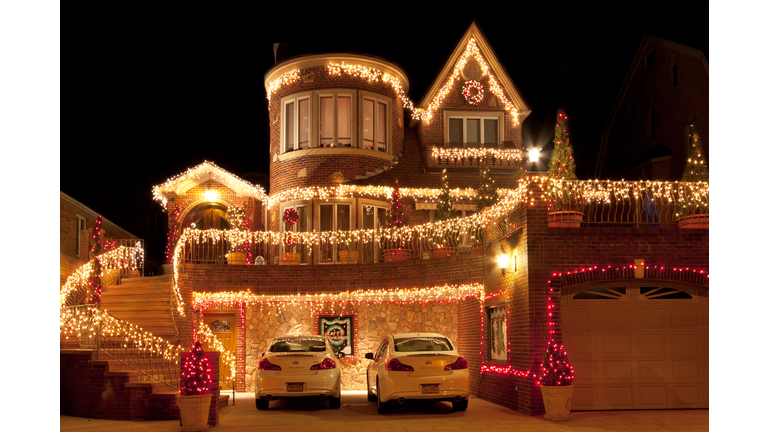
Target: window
(333, 217)
(674, 76)
(473, 129)
(296, 124)
(375, 123)
(300, 226)
(336, 119)
(374, 217)
(497, 332)
(609, 293)
(81, 226)
(658, 293)
(650, 59)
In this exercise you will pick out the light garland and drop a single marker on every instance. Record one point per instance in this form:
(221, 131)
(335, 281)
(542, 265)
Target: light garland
(467, 92)
(204, 171)
(459, 153)
(205, 334)
(122, 258)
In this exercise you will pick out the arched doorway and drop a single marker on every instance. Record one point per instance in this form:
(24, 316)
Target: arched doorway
(207, 216)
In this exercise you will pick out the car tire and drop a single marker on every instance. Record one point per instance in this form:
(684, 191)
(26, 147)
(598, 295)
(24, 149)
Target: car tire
(460, 406)
(382, 407)
(334, 403)
(262, 404)
(371, 396)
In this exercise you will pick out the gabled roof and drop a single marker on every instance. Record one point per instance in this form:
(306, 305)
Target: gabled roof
(475, 36)
(637, 62)
(200, 174)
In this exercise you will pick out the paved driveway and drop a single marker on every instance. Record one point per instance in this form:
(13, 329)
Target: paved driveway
(357, 413)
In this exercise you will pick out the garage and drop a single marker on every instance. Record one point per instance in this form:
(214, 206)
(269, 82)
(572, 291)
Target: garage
(637, 344)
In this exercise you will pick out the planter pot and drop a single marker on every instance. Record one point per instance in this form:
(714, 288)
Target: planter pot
(565, 219)
(393, 255)
(237, 258)
(694, 221)
(194, 412)
(442, 252)
(291, 258)
(349, 256)
(557, 402)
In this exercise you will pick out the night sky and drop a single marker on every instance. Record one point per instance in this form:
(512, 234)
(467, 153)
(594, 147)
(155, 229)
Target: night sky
(167, 89)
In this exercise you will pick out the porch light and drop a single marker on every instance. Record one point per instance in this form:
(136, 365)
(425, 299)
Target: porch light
(211, 195)
(503, 263)
(533, 155)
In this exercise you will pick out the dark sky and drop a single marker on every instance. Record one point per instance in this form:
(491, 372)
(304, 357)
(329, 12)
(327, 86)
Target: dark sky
(161, 90)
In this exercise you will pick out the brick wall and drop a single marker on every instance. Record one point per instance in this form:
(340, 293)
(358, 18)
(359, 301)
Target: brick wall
(67, 266)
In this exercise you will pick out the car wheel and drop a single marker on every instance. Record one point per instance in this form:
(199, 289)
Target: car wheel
(334, 403)
(262, 404)
(371, 396)
(460, 406)
(382, 407)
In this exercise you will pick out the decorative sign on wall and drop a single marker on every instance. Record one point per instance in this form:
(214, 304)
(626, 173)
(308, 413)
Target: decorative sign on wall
(220, 326)
(340, 330)
(498, 333)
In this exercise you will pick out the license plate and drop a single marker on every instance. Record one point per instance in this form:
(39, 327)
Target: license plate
(430, 388)
(297, 387)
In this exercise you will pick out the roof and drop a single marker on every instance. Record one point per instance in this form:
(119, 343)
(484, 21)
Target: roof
(106, 222)
(637, 62)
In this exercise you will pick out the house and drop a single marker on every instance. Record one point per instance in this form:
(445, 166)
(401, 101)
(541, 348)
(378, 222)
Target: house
(664, 96)
(627, 295)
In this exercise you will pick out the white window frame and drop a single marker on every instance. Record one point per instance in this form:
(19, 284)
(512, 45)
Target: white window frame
(376, 98)
(376, 205)
(335, 93)
(335, 203)
(482, 116)
(294, 205)
(296, 98)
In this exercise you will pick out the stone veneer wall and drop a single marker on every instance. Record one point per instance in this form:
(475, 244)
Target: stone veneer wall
(374, 323)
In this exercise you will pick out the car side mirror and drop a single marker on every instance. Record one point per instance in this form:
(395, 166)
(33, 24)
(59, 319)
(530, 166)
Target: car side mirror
(369, 356)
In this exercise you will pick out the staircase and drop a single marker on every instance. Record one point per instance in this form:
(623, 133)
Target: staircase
(145, 302)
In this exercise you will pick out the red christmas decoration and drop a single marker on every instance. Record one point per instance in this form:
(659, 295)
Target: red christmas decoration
(196, 373)
(555, 368)
(467, 92)
(291, 217)
(173, 233)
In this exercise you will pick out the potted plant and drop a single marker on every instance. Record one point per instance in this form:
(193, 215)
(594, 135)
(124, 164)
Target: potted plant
(348, 253)
(237, 220)
(566, 202)
(396, 218)
(194, 399)
(692, 205)
(556, 382)
(290, 239)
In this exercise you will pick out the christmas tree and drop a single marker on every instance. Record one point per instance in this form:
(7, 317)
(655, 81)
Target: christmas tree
(695, 171)
(94, 281)
(396, 217)
(562, 167)
(486, 191)
(173, 233)
(237, 220)
(555, 369)
(444, 204)
(195, 373)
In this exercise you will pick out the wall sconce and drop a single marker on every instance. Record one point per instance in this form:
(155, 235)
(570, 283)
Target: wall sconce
(503, 263)
(211, 195)
(533, 155)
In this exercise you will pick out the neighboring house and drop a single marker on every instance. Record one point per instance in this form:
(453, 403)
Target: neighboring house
(76, 222)
(665, 94)
(343, 132)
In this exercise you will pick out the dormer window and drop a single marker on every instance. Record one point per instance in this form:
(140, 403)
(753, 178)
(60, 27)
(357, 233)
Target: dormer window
(465, 129)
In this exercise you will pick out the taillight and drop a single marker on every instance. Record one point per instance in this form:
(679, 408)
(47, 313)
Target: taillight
(395, 365)
(460, 363)
(325, 364)
(264, 364)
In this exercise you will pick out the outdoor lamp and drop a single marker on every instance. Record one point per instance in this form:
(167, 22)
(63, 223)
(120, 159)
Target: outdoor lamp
(503, 263)
(210, 195)
(533, 155)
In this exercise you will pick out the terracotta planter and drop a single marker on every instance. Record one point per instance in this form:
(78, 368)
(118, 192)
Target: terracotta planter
(442, 252)
(237, 258)
(291, 258)
(565, 219)
(557, 402)
(194, 412)
(393, 255)
(349, 256)
(694, 221)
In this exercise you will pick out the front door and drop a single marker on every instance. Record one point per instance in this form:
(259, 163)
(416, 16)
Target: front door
(224, 327)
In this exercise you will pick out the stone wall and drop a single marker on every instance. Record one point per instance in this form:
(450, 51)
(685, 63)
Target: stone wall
(374, 323)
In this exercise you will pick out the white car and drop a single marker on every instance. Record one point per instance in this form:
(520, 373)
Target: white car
(423, 366)
(299, 366)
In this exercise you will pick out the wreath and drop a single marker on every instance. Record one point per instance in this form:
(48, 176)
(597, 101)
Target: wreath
(291, 217)
(467, 92)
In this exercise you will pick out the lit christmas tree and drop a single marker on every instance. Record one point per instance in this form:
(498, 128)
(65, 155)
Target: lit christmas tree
(444, 204)
(696, 170)
(173, 233)
(94, 281)
(237, 220)
(486, 191)
(555, 369)
(562, 167)
(396, 217)
(195, 373)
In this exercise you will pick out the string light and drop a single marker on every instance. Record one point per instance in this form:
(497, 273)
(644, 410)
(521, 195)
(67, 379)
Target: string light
(458, 153)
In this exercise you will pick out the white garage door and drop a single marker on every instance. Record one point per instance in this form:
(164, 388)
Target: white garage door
(638, 345)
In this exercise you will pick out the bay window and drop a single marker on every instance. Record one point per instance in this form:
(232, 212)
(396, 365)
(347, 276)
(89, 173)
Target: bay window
(296, 124)
(336, 114)
(375, 122)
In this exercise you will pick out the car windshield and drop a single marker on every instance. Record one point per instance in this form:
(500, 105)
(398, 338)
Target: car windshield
(422, 343)
(298, 344)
